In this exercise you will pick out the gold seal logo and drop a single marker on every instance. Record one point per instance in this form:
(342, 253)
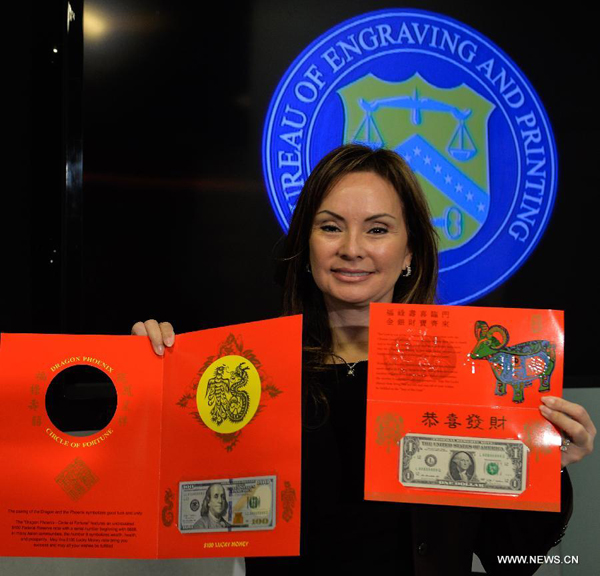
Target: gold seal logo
(228, 394)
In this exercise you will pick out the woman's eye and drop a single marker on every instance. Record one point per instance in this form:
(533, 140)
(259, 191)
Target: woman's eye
(329, 228)
(378, 230)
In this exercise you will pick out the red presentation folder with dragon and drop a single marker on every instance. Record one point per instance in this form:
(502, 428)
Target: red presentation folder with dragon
(199, 455)
(453, 406)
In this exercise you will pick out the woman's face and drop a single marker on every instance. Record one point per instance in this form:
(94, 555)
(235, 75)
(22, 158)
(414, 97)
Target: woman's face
(359, 243)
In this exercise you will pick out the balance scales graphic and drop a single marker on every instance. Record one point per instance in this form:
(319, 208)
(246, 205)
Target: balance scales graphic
(466, 196)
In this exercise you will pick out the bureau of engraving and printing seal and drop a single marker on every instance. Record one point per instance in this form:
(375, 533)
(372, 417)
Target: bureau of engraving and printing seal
(454, 105)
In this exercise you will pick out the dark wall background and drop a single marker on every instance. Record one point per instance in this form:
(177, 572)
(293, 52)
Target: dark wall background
(172, 220)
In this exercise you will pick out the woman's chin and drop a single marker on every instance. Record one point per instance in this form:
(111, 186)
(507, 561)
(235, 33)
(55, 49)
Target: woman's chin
(353, 300)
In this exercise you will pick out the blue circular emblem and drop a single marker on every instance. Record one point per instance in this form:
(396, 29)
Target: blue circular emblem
(453, 105)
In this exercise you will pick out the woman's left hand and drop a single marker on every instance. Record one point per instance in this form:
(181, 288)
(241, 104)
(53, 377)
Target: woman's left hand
(575, 424)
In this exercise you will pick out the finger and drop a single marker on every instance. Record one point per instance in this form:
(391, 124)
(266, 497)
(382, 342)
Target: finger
(168, 334)
(576, 431)
(155, 335)
(575, 411)
(139, 329)
(572, 453)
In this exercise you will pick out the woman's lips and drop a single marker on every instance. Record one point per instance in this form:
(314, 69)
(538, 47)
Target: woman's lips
(350, 275)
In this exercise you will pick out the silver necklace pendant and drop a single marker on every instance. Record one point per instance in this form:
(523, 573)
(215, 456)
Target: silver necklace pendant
(351, 368)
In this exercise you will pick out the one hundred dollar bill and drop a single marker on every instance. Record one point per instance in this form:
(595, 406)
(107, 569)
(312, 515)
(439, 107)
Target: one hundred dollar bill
(229, 505)
(462, 463)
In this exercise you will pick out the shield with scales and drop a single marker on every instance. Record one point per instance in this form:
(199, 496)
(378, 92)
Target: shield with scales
(443, 135)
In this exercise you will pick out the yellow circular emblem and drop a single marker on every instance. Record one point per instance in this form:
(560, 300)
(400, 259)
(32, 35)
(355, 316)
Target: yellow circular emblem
(228, 394)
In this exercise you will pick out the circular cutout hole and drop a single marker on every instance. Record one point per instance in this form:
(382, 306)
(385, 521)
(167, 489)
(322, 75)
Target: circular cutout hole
(81, 400)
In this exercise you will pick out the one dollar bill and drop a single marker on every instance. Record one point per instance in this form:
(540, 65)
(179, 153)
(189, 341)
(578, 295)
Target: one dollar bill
(462, 463)
(228, 505)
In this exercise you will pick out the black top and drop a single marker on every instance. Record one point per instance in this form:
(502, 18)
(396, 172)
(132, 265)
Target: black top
(339, 528)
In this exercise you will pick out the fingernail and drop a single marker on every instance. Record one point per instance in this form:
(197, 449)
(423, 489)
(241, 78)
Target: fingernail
(169, 340)
(549, 400)
(160, 349)
(545, 411)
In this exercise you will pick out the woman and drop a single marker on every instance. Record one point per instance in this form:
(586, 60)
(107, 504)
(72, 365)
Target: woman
(362, 233)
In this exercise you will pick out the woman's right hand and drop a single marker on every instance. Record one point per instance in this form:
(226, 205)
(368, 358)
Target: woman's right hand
(160, 335)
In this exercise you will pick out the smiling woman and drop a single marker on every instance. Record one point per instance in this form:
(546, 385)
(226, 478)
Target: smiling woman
(359, 243)
(362, 220)
(362, 233)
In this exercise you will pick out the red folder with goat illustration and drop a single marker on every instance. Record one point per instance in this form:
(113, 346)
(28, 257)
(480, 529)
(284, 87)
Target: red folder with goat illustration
(199, 455)
(453, 406)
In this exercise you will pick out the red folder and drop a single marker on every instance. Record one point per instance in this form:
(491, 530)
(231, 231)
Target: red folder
(115, 493)
(470, 374)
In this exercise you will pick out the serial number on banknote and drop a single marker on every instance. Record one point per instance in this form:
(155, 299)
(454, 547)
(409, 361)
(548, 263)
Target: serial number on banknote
(227, 505)
(497, 466)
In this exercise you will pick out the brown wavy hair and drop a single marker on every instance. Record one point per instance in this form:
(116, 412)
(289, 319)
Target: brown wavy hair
(301, 294)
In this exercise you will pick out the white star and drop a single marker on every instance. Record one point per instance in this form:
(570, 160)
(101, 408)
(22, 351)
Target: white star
(437, 168)
(480, 207)
(469, 196)
(417, 151)
(458, 188)
(408, 157)
(448, 178)
(427, 160)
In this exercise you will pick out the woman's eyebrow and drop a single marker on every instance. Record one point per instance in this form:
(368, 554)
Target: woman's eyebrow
(331, 214)
(382, 215)
(369, 219)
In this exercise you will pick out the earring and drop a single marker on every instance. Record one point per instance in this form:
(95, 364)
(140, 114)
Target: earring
(407, 272)
(308, 268)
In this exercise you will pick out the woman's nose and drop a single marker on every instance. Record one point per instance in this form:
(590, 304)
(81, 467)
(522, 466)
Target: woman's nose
(351, 246)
